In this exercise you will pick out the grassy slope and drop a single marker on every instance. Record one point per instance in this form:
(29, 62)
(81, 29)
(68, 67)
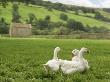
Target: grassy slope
(41, 12)
(106, 14)
(23, 59)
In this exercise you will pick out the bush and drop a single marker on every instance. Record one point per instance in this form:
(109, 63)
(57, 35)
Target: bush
(47, 18)
(15, 14)
(60, 31)
(96, 29)
(59, 6)
(98, 15)
(42, 24)
(40, 32)
(75, 25)
(76, 12)
(100, 30)
(63, 17)
(49, 8)
(59, 24)
(63, 30)
(4, 29)
(4, 3)
(32, 17)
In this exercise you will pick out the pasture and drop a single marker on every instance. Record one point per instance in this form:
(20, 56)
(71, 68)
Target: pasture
(21, 60)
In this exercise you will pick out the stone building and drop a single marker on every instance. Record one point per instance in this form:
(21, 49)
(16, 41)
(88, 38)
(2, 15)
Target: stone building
(19, 29)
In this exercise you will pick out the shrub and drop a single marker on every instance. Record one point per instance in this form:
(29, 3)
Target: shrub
(32, 17)
(40, 32)
(4, 3)
(60, 31)
(42, 24)
(63, 17)
(4, 29)
(15, 14)
(63, 30)
(59, 24)
(75, 25)
(47, 18)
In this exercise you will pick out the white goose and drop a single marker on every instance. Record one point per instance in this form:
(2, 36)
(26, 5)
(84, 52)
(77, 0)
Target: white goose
(75, 53)
(53, 65)
(69, 67)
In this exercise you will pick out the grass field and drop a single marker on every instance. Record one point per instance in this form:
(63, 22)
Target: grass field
(21, 60)
(41, 12)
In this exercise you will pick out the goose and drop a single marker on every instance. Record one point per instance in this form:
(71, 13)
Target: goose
(75, 53)
(53, 65)
(69, 67)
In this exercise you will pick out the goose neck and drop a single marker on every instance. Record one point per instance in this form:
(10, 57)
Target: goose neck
(80, 54)
(55, 54)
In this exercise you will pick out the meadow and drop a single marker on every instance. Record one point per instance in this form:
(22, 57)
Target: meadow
(21, 59)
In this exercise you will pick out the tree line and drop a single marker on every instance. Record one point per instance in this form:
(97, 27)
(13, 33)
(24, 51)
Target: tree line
(50, 5)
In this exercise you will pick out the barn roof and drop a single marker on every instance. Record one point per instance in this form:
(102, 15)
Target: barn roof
(20, 25)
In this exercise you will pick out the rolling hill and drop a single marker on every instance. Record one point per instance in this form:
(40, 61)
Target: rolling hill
(41, 12)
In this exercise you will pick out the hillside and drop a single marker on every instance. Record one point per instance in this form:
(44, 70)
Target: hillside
(41, 12)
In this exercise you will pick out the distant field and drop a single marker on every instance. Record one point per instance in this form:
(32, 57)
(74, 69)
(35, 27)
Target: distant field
(41, 12)
(21, 60)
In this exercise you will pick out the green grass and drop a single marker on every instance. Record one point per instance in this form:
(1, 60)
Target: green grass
(22, 59)
(106, 14)
(41, 12)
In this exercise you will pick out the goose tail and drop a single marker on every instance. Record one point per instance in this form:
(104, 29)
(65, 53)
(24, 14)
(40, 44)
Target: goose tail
(46, 67)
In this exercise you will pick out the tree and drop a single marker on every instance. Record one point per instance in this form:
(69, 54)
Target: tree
(59, 24)
(100, 30)
(32, 17)
(79, 26)
(63, 31)
(76, 12)
(47, 18)
(49, 8)
(3, 26)
(59, 6)
(36, 2)
(15, 14)
(98, 15)
(75, 25)
(63, 17)
(4, 3)
(27, 2)
(42, 24)
(71, 23)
